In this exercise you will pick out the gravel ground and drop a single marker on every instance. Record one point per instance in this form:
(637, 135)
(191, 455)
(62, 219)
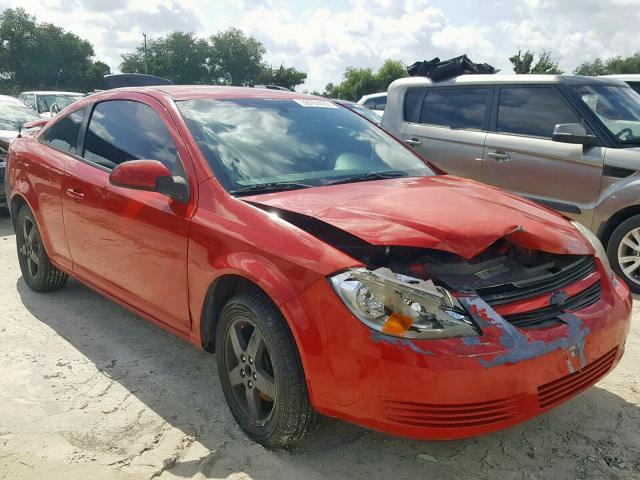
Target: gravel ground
(89, 390)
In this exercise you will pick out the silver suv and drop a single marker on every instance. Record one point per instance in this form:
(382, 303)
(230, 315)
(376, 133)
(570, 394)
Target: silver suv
(570, 143)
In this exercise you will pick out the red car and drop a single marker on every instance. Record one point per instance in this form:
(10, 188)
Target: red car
(329, 268)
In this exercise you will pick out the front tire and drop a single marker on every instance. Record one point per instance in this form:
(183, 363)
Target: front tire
(623, 251)
(37, 270)
(261, 373)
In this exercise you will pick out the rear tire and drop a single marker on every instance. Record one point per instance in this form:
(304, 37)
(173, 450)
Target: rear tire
(37, 270)
(623, 251)
(261, 372)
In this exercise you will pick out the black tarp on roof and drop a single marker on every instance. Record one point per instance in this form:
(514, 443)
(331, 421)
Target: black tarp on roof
(438, 70)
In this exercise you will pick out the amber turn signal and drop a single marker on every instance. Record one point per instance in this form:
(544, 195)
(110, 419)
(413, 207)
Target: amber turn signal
(397, 324)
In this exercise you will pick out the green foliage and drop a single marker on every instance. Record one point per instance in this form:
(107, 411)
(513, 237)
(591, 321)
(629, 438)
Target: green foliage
(546, 64)
(236, 59)
(523, 63)
(362, 81)
(226, 58)
(43, 56)
(180, 57)
(284, 77)
(610, 66)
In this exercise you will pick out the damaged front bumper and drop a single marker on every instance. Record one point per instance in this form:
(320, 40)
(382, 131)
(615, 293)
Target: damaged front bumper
(455, 387)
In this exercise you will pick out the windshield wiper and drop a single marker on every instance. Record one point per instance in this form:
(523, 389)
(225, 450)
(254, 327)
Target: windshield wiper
(268, 188)
(365, 177)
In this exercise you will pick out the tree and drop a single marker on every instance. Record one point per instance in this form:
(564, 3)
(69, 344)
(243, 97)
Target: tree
(284, 77)
(179, 56)
(236, 59)
(523, 63)
(362, 81)
(43, 56)
(610, 66)
(389, 71)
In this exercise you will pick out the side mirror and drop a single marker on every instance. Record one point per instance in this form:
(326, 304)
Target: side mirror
(573, 133)
(152, 176)
(54, 109)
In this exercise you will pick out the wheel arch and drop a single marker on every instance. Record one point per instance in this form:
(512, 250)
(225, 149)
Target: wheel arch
(606, 230)
(15, 204)
(218, 293)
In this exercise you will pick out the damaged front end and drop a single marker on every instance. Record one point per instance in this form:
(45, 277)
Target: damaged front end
(529, 288)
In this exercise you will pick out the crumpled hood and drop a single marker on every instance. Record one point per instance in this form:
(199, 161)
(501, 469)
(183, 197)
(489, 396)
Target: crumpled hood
(441, 212)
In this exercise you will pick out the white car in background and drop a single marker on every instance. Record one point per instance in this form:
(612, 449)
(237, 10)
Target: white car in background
(631, 79)
(48, 104)
(11, 100)
(374, 101)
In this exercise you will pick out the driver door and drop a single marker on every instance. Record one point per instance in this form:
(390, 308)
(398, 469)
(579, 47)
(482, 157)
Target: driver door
(131, 244)
(520, 156)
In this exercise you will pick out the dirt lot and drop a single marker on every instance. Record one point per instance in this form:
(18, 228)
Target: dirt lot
(88, 390)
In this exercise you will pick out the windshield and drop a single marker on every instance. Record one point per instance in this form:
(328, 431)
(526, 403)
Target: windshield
(294, 143)
(12, 117)
(46, 101)
(617, 107)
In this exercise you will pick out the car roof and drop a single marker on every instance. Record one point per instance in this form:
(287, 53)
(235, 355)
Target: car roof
(373, 95)
(194, 92)
(515, 78)
(345, 102)
(11, 100)
(51, 92)
(624, 76)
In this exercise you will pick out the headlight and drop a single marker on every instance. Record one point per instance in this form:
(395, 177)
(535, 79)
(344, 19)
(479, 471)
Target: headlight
(597, 246)
(402, 306)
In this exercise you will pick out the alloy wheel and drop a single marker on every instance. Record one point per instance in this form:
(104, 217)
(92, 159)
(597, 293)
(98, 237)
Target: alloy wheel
(629, 255)
(250, 370)
(30, 248)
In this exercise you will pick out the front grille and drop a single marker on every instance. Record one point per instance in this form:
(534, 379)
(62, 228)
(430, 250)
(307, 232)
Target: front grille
(558, 391)
(460, 415)
(532, 318)
(520, 290)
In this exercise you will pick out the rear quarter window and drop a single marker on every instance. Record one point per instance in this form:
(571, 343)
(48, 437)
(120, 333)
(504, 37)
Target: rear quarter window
(64, 133)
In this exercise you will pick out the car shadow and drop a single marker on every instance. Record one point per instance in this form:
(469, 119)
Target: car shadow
(6, 228)
(593, 436)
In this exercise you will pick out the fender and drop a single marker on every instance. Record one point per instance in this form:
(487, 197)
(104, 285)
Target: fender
(251, 266)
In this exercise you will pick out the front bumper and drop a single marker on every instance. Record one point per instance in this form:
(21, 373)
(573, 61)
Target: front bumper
(458, 387)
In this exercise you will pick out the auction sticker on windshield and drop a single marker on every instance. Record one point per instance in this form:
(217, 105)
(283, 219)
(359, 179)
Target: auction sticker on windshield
(314, 103)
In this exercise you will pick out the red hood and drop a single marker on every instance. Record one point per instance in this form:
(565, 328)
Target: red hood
(442, 212)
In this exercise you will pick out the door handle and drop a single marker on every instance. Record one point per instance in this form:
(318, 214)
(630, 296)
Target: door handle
(414, 142)
(75, 194)
(499, 157)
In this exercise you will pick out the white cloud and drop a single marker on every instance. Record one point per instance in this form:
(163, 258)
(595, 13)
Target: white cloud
(324, 37)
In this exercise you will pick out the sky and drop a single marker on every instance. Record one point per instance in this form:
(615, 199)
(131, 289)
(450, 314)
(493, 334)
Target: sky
(322, 38)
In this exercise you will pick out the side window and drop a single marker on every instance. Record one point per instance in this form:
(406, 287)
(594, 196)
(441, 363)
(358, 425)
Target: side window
(370, 104)
(462, 108)
(635, 86)
(64, 133)
(30, 99)
(532, 111)
(123, 130)
(411, 98)
(381, 103)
